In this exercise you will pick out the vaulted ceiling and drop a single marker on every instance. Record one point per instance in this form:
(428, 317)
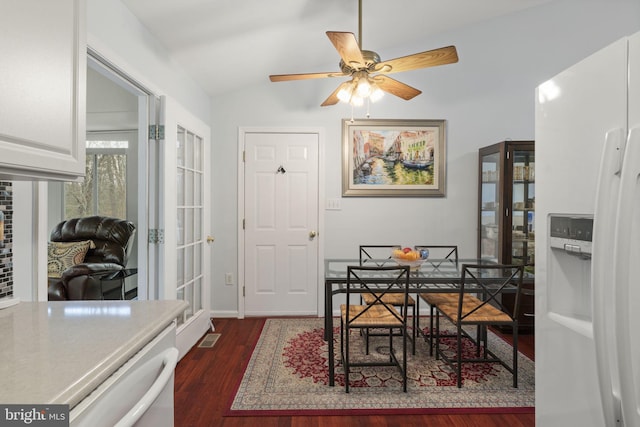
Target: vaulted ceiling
(226, 44)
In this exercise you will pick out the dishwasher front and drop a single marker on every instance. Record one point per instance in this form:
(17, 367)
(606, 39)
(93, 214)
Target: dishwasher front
(139, 393)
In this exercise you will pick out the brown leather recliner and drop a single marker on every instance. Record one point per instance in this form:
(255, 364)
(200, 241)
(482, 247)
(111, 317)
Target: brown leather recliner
(113, 240)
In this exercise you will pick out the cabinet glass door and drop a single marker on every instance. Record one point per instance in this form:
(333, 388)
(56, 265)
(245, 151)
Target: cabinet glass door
(490, 205)
(523, 207)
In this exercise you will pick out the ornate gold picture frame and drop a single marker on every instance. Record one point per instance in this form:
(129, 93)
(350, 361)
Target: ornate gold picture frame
(393, 158)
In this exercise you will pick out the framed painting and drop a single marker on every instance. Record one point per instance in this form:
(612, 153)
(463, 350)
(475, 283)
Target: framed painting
(393, 158)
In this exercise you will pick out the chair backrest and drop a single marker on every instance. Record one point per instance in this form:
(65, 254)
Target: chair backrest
(378, 281)
(376, 254)
(441, 256)
(490, 282)
(441, 252)
(113, 237)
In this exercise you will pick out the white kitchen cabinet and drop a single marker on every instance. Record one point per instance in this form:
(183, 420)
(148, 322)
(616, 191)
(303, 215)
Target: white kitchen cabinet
(42, 89)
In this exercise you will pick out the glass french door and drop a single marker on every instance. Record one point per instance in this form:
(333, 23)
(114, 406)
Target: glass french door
(186, 219)
(190, 241)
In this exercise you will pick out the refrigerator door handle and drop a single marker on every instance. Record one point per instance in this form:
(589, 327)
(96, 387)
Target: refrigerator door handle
(602, 260)
(627, 291)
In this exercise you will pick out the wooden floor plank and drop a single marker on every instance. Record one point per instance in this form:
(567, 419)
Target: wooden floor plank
(206, 380)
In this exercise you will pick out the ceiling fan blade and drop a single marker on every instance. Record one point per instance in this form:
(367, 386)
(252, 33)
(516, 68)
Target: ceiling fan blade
(348, 48)
(287, 77)
(332, 99)
(430, 58)
(396, 88)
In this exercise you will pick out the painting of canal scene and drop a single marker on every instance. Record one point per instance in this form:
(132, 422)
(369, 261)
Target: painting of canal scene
(393, 157)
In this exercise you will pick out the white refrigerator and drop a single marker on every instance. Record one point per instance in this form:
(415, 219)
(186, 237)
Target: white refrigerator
(587, 321)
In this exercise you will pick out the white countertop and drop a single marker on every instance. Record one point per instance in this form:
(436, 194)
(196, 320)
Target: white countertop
(58, 352)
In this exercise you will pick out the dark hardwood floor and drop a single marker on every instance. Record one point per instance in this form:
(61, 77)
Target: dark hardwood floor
(206, 380)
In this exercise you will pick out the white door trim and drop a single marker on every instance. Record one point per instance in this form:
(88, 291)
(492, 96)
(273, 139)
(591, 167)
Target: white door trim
(241, 206)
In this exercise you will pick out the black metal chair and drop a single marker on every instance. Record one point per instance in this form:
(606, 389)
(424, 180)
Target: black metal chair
(376, 281)
(491, 282)
(440, 257)
(380, 255)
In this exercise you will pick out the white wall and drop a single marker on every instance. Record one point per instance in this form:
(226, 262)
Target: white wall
(115, 33)
(485, 98)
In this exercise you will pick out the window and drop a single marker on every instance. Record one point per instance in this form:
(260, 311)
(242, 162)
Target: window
(104, 189)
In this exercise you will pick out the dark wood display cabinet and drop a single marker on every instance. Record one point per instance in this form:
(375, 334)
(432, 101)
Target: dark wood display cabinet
(506, 213)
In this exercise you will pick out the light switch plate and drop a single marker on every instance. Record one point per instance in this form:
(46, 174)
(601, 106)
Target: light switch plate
(333, 205)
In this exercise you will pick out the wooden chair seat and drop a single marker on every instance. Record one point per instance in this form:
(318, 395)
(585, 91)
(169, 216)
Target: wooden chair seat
(435, 299)
(486, 313)
(391, 299)
(375, 317)
(443, 298)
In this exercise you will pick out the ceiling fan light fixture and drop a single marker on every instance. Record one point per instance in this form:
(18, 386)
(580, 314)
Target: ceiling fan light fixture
(359, 88)
(363, 88)
(356, 101)
(345, 91)
(376, 93)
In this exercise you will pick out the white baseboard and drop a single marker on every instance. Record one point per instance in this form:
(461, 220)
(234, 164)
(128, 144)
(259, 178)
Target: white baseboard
(224, 313)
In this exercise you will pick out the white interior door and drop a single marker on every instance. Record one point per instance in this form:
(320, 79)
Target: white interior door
(281, 223)
(185, 219)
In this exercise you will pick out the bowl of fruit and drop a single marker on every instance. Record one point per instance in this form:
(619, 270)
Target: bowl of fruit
(411, 257)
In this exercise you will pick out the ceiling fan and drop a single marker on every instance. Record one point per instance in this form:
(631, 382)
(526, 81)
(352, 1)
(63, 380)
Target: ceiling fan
(368, 72)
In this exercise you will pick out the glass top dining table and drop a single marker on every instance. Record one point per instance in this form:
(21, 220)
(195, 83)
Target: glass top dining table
(433, 276)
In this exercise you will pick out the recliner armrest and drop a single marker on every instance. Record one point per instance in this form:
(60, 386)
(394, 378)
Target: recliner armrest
(91, 269)
(56, 290)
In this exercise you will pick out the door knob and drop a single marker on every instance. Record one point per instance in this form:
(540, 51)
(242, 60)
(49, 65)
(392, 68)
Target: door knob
(312, 234)
(210, 239)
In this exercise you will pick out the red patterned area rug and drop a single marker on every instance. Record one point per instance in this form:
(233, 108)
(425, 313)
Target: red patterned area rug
(287, 374)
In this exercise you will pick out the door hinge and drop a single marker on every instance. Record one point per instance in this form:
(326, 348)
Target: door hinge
(156, 235)
(508, 154)
(243, 223)
(243, 292)
(244, 153)
(156, 132)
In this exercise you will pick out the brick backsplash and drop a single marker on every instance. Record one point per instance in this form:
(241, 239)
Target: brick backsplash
(6, 258)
